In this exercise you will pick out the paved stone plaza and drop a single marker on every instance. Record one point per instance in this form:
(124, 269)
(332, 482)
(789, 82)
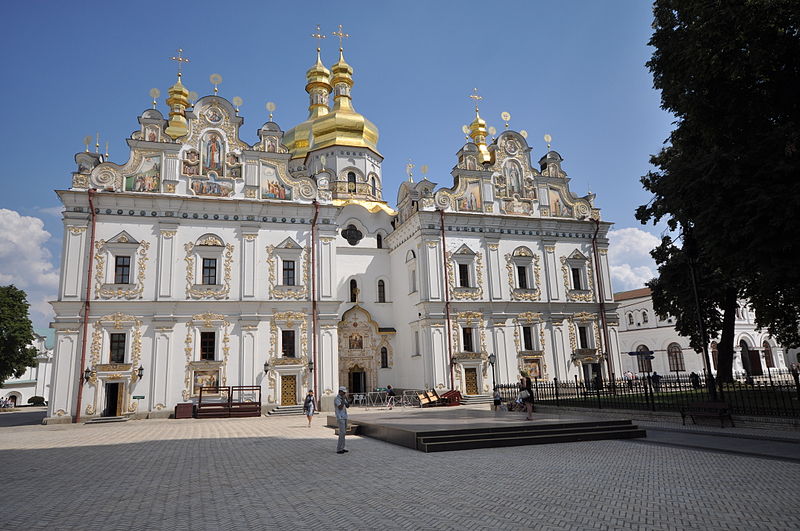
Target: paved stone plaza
(275, 473)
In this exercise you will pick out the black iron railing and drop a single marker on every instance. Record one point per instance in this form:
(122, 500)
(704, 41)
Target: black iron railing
(773, 395)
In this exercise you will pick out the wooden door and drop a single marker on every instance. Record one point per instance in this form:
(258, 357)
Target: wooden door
(113, 399)
(288, 390)
(471, 377)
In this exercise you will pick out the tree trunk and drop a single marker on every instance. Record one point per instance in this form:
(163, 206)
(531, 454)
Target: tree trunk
(725, 347)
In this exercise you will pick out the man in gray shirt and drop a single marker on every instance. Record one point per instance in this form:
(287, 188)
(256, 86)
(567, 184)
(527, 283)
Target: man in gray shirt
(340, 405)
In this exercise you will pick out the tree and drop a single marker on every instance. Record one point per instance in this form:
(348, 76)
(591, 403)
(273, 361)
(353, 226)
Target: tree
(16, 334)
(729, 70)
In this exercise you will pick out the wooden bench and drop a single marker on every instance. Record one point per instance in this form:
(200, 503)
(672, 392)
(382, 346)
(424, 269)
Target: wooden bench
(707, 409)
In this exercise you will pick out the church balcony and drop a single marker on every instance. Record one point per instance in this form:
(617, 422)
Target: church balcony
(530, 354)
(468, 356)
(350, 190)
(585, 355)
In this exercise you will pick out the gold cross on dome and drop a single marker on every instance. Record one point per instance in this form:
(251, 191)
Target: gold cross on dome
(341, 34)
(318, 35)
(475, 97)
(180, 59)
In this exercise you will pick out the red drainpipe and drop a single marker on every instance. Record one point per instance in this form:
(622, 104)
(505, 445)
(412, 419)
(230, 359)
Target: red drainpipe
(447, 297)
(314, 297)
(86, 307)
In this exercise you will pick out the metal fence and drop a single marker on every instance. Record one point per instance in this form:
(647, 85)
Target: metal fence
(406, 398)
(777, 395)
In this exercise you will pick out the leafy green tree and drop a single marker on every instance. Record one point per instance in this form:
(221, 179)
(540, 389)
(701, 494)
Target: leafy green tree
(16, 334)
(729, 70)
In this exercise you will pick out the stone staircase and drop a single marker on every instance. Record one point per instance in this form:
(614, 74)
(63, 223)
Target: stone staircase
(468, 439)
(286, 410)
(471, 400)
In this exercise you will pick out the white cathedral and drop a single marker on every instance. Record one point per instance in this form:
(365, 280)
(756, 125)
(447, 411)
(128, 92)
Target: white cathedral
(207, 261)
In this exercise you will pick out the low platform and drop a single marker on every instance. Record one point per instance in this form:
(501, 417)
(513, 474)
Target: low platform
(449, 429)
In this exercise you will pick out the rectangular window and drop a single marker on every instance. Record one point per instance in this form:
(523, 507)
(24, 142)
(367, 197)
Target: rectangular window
(117, 348)
(122, 270)
(644, 364)
(209, 271)
(466, 333)
(522, 277)
(463, 275)
(527, 338)
(576, 278)
(208, 345)
(287, 343)
(288, 272)
(583, 337)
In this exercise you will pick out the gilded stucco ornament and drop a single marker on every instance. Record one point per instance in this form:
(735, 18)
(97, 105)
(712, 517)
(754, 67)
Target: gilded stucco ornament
(519, 294)
(196, 291)
(108, 291)
(577, 294)
(208, 321)
(461, 293)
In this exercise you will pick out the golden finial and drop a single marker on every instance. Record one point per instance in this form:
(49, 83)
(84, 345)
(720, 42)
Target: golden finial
(237, 102)
(270, 109)
(319, 36)
(86, 141)
(523, 134)
(424, 170)
(410, 170)
(465, 130)
(215, 79)
(506, 117)
(548, 139)
(193, 97)
(341, 34)
(155, 93)
(475, 96)
(492, 130)
(97, 143)
(180, 59)
(106, 155)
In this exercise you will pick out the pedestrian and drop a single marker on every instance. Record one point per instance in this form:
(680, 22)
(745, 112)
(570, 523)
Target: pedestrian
(526, 396)
(309, 406)
(340, 404)
(694, 379)
(629, 379)
(498, 398)
(390, 396)
(656, 381)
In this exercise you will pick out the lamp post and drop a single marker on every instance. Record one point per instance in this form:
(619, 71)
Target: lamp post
(601, 300)
(266, 367)
(492, 360)
(311, 366)
(140, 372)
(87, 374)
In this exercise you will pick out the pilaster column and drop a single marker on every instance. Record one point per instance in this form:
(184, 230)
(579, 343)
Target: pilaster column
(551, 271)
(435, 274)
(74, 267)
(166, 258)
(326, 269)
(248, 267)
(494, 271)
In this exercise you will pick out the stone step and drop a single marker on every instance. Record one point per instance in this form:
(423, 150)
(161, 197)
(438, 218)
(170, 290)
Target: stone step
(287, 410)
(105, 420)
(476, 399)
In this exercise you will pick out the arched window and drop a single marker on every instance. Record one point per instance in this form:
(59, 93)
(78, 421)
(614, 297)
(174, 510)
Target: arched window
(644, 317)
(644, 364)
(353, 290)
(630, 319)
(714, 354)
(381, 291)
(768, 360)
(379, 240)
(384, 358)
(374, 187)
(738, 312)
(351, 181)
(675, 354)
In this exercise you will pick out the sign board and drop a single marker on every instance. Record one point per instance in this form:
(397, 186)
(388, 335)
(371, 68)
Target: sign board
(641, 353)
(138, 397)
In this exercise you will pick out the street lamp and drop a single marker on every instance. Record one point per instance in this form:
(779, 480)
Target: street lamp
(87, 374)
(310, 365)
(266, 367)
(140, 372)
(492, 360)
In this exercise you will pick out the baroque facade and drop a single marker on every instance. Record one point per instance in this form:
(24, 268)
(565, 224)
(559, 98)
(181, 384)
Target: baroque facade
(208, 260)
(755, 352)
(35, 381)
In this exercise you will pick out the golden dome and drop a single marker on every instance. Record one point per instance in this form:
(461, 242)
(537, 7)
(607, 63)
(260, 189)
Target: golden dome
(298, 139)
(178, 101)
(343, 126)
(477, 131)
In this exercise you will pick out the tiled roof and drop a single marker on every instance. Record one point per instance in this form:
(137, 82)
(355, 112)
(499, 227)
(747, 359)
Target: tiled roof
(632, 294)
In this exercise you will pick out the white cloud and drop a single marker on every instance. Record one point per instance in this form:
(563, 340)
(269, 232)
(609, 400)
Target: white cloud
(629, 258)
(51, 211)
(26, 262)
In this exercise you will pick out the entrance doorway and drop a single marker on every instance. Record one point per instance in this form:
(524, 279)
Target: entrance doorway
(113, 400)
(288, 390)
(357, 380)
(471, 381)
(751, 360)
(592, 375)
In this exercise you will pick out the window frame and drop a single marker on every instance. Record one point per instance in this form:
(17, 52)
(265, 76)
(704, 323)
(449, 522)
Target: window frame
(205, 343)
(675, 358)
(289, 274)
(114, 337)
(204, 277)
(292, 333)
(381, 290)
(118, 275)
(467, 333)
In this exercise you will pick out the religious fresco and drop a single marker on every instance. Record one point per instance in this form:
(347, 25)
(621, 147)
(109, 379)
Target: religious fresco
(471, 200)
(517, 207)
(212, 147)
(272, 187)
(151, 134)
(557, 207)
(147, 178)
(233, 167)
(271, 144)
(204, 378)
(513, 174)
(356, 342)
(191, 163)
(211, 187)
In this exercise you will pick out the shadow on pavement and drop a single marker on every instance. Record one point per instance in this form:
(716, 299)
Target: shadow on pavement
(22, 418)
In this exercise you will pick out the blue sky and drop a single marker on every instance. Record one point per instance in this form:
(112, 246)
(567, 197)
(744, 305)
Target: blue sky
(573, 69)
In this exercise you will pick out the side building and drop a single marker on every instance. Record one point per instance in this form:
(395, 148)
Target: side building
(36, 380)
(209, 261)
(642, 330)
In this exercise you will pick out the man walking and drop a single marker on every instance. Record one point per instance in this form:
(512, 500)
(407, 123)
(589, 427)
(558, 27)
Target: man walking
(340, 404)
